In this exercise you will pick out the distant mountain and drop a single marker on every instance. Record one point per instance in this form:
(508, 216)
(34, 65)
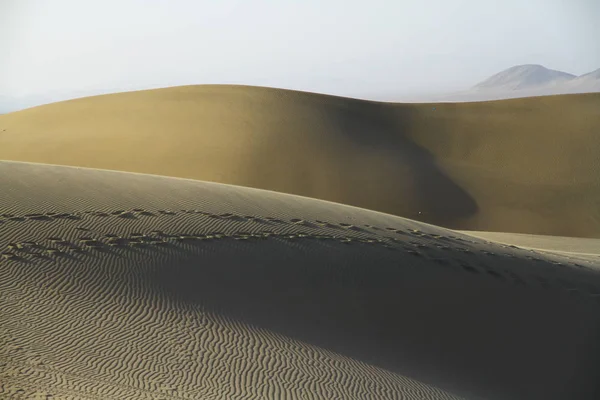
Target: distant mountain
(526, 81)
(523, 77)
(589, 82)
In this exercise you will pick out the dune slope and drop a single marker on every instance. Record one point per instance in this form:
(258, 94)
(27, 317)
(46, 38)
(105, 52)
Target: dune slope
(523, 165)
(579, 246)
(116, 285)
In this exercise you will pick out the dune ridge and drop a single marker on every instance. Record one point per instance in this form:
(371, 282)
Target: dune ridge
(117, 285)
(521, 165)
(579, 246)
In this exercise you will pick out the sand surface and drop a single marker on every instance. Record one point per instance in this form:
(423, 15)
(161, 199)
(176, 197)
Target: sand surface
(131, 286)
(561, 244)
(523, 165)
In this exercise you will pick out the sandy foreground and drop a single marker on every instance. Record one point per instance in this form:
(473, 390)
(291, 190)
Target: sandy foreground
(522, 165)
(129, 286)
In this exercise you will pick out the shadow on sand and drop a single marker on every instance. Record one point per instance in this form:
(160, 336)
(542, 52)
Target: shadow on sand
(472, 334)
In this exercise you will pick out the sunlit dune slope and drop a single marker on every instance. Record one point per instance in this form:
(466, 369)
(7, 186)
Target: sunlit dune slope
(574, 246)
(523, 165)
(129, 286)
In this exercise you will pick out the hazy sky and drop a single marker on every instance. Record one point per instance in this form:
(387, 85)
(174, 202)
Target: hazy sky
(345, 47)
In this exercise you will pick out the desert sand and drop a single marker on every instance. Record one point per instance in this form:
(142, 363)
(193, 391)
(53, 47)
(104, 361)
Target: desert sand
(234, 242)
(561, 244)
(129, 286)
(523, 165)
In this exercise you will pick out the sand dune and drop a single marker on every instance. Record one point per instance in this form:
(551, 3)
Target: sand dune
(131, 286)
(525, 165)
(561, 244)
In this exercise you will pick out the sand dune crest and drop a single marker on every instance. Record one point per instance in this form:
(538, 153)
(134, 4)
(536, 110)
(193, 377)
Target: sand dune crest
(523, 165)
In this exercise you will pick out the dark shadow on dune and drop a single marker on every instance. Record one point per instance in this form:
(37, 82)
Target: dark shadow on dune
(358, 153)
(474, 334)
(384, 129)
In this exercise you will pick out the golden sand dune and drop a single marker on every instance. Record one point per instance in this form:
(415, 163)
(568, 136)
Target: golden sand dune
(131, 286)
(522, 165)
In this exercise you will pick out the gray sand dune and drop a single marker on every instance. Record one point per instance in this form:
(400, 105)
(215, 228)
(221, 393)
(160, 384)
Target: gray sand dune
(129, 286)
(562, 244)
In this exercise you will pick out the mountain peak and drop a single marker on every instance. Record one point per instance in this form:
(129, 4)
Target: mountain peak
(524, 76)
(528, 67)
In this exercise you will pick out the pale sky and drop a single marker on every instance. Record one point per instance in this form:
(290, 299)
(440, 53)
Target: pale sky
(351, 48)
